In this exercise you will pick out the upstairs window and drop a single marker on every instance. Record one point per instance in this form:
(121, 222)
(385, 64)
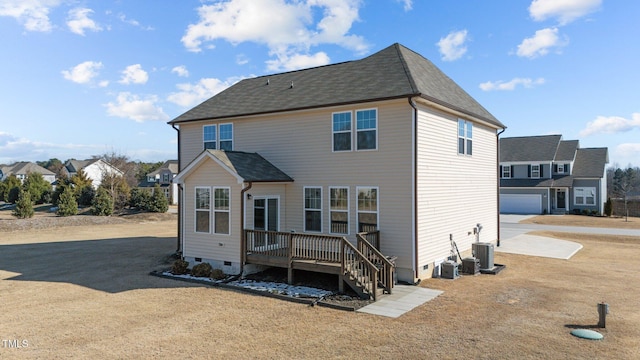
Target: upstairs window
(506, 172)
(367, 129)
(342, 131)
(465, 137)
(209, 136)
(535, 171)
(226, 137)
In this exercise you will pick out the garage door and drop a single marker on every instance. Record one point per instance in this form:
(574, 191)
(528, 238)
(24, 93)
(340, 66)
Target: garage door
(520, 204)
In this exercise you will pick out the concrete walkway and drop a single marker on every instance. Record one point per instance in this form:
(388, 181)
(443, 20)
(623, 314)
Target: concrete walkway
(404, 298)
(539, 246)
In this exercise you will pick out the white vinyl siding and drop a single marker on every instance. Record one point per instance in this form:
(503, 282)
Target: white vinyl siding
(454, 192)
(339, 210)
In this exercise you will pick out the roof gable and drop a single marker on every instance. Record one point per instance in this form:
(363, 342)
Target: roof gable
(567, 150)
(245, 167)
(591, 162)
(394, 72)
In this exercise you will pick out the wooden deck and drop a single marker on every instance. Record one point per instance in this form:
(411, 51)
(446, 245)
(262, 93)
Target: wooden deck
(362, 267)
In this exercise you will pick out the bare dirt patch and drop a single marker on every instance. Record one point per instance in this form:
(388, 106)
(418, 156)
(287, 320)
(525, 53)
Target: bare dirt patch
(85, 292)
(587, 221)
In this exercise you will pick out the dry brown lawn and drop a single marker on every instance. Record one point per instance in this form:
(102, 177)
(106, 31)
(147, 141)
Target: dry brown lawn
(84, 292)
(588, 221)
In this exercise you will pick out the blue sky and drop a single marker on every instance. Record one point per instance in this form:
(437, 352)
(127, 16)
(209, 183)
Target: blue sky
(82, 78)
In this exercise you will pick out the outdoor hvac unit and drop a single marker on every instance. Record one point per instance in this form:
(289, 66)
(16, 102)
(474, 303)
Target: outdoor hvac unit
(484, 253)
(470, 266)
(449, 270)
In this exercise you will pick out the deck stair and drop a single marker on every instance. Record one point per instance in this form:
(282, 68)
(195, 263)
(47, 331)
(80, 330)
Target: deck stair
(362, 266)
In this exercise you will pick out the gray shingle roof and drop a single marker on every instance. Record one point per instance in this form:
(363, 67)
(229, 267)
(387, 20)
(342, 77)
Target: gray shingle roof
(529, 148)
(250, 166)
(24, 168)
(567, 150)
(590, 162)
(556, 181)
(394, 72)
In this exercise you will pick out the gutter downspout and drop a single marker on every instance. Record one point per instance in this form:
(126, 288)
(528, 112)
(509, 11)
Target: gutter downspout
(415, 185)
(243, 252)
(180, 194)
(499, 176)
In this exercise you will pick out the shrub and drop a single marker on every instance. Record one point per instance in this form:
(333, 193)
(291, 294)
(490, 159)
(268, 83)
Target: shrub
(608, 207)
(180, 267)
(102, 203)
(67, 204)
(24, 206)
(217, 274)
(577, 211)
(37, 186)
(85, 195)
(139, 199)
(585, 212)
(201, 270)
(594, 212)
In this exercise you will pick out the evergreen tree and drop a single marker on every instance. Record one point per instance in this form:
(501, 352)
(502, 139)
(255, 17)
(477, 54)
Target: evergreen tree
(12, 187)
(140, 199)
(608, 207)
(38, 187)
(102, 203)
(24, 206)
(67, 204)
(159, 202)
(83, 188)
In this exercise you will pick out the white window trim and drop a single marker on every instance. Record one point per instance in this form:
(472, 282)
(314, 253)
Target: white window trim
(333, 149)
(348, 211)
(214, 211)
(559, 168)
(584, 190)
(503, 171)
(536, 176)
(215, 126)
(465, 147)
(355, 129)
(232, 135)
(195, 209)
(377, 212)
(304, 209)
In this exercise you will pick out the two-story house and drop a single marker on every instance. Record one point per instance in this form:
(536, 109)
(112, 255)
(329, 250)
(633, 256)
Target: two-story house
(22, 169)
(163, 176)
(94, 169)
(387, 145)
(545, 174)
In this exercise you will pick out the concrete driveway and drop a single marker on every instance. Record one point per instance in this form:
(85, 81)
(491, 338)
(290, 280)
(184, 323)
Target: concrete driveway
(515, 240)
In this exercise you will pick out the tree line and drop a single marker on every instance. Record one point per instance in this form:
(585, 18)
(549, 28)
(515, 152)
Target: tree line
(114, 194)
(623, 185)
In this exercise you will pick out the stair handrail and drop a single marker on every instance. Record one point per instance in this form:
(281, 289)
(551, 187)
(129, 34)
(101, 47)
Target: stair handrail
(368, 279)
(388, 267)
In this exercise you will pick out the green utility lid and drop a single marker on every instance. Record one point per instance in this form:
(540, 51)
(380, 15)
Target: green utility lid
(587, 334)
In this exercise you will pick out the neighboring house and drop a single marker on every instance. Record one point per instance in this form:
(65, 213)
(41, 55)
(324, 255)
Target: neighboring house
(23, 168)
(163, 176)
(94, 169)
(545, 174)
(387, 143)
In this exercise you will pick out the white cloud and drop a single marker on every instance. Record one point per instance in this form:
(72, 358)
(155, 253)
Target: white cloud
(133, 22)
(32, 14)
(297, 61)
(287, 28)
(13, 148)
(611, 125)
(133, 74)
(629, 150)
(540, 43)
(181, 71)
(565, 11)
(242, 59)
(193, 94)
(452, 46)
(511, 84)
(83, 73)
(408, 4)
(79, 21)
(131, 106)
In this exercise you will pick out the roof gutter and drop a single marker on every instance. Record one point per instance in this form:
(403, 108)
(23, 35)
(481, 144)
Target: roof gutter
(498, 181)
(180, 193)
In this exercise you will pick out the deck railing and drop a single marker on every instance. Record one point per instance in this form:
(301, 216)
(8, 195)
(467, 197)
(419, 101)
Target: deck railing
(363, 264)
(385, 265)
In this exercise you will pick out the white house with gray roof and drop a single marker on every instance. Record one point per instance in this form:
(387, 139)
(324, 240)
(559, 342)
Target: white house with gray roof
(387, 147)
(22, 169)
(95, 169)
(545, 174)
